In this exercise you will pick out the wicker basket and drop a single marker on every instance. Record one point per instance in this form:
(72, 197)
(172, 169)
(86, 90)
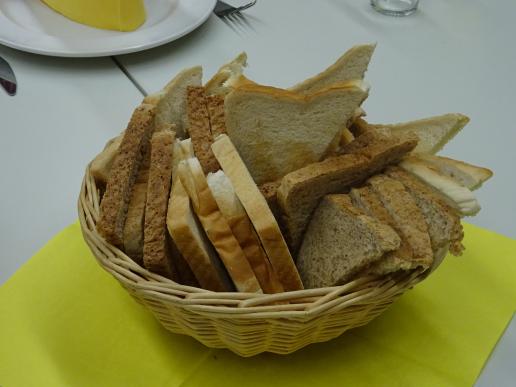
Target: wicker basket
(245, 323)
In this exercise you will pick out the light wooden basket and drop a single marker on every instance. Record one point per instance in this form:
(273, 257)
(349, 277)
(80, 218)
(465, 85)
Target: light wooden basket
(245, 323)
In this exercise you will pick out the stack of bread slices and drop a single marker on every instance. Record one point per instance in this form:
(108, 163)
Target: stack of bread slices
(236, 186)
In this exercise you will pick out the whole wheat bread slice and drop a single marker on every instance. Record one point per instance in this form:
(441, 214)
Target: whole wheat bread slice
(199, 128)
(241, 226)
(340, 241)
(129, 156)
(157, 253)
(277, 131)
(351, 65)
(216, 227)
(170, 102)
(134, 223)
(300, 191)
(259, 213)
(215, 105)
(410, 222)
(399, 259)
(443, 222)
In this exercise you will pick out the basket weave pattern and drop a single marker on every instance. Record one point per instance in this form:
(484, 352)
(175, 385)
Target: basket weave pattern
(245, 323)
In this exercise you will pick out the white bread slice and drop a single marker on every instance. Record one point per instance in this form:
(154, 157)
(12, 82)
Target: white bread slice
(216, 227)
(443, 222)
(433, 132)
(468, 175)
(220, 83)
(300, 191)
(101, 164)
(192, 243)
(408, 218)
(456, 195)
(241, 226)
(341, 241)
(350, 66)
(259, 213)
(277, 131)
(393, 261)
(171, 100)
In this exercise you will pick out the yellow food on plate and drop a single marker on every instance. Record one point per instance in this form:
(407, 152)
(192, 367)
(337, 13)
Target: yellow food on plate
(118, 15)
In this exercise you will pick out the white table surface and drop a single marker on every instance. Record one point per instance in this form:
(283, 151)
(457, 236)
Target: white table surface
(449, 56)
(62, 115)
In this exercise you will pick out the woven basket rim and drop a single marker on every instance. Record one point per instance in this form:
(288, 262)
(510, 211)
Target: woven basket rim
(303, 304)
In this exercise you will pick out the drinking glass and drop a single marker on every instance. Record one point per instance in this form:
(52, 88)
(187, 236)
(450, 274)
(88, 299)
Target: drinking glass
(395, 7)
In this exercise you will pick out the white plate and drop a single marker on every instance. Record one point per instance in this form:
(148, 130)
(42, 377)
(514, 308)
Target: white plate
(30, 25)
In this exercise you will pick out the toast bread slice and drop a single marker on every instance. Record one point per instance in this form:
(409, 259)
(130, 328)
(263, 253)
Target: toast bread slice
(259, 213)
(124, 171)
(244, 232)
(199, 128)
(341, 241)
(300, 191)
(216, 227)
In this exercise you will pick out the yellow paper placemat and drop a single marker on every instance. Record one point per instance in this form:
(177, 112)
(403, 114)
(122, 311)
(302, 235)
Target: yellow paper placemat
(65, 322)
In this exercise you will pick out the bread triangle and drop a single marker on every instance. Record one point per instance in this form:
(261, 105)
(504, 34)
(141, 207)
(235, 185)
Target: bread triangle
(218, 84)
(300, 191)
(468, 175)
(277, 131)
(393, 261)
(340, 241)
(457, 196)
(407, 216)
(259, 213)
(171, 100)
(352, 65)
(443, 222)
(433, 132)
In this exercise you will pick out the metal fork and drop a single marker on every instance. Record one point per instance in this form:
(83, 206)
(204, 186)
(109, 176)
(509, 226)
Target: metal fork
(227, 12)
